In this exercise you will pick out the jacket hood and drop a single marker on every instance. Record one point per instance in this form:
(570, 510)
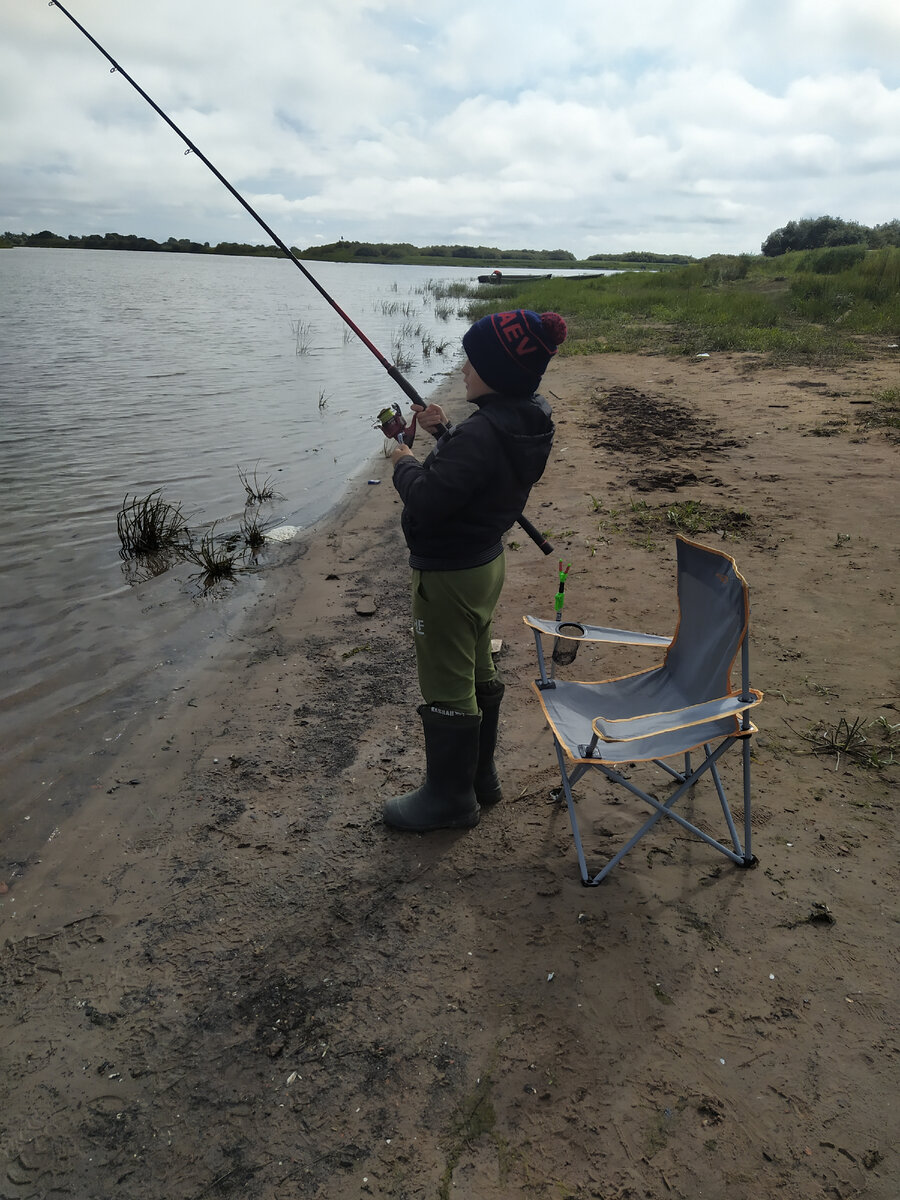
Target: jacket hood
(524, 425)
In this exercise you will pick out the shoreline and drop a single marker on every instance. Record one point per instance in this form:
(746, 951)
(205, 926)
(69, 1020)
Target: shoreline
(238, 619)
(90, 639)
(50, 786)
(230, 971)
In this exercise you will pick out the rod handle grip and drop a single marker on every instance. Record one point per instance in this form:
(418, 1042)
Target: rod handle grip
(536, 536)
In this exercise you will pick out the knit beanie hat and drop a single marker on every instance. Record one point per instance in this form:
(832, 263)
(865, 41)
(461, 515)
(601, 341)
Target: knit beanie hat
(511, 350)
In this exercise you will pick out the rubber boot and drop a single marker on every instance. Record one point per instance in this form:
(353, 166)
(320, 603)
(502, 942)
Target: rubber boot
(446, 800)
(487, 785)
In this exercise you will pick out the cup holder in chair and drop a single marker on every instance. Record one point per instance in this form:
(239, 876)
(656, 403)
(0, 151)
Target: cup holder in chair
(565, 648)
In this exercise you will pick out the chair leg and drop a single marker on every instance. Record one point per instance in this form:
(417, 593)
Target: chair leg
(723, 801)
(567, 782)
(740, 856)
(749, 857)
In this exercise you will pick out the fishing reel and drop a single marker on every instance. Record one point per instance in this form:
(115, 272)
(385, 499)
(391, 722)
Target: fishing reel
(393, 424)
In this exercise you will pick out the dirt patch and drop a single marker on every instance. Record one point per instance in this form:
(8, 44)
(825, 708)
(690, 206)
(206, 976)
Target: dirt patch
(670, 480)
(654, 427)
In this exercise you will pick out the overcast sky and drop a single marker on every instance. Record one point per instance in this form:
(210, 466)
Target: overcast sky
(587, 125)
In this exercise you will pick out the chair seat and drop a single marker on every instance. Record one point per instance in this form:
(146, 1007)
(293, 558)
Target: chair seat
(571, 707)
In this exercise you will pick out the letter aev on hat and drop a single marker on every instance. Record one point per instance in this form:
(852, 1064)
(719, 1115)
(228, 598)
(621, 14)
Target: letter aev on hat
(511, 350)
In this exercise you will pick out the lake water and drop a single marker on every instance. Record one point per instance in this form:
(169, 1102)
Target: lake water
(121, 373)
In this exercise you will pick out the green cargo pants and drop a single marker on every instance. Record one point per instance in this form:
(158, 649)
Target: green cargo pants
(452, 612)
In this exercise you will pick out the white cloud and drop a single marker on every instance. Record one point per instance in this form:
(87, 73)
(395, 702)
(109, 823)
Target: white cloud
(692, 127)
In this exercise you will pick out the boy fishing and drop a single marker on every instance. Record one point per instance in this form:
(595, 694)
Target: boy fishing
(457, 506)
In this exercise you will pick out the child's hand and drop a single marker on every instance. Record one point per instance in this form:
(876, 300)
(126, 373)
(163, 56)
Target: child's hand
(431, 417)
(400, 452)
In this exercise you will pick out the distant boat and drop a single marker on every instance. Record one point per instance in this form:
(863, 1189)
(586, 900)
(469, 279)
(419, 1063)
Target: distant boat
(499, 277)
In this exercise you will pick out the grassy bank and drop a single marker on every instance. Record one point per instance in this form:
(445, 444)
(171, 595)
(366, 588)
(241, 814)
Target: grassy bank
(811, 305)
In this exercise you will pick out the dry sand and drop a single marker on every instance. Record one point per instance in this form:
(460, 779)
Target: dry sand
(225, 978)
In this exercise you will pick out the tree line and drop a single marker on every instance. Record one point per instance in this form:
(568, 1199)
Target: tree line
(643, 256)
(131, 241)
(390, 251)
(344, 249)
(816, 233)
(340, 251)
(809, 233)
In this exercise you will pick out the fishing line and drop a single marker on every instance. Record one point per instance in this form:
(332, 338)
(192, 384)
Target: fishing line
(390, 367)
(193, 149)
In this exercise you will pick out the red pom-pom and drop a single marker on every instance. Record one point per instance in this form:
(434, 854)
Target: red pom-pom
(554, 327)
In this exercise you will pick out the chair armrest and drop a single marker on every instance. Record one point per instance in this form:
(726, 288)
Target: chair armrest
(629, 729)
(597, 633)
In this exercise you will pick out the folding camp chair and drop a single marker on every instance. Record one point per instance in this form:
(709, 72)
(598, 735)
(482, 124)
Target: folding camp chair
(684, 704)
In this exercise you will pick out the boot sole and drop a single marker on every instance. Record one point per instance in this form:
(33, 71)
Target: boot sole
(468, 821)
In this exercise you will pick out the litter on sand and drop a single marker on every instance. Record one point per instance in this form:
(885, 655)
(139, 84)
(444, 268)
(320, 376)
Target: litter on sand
(283, 533)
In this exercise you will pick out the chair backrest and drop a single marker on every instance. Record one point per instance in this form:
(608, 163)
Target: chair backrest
(713, 614)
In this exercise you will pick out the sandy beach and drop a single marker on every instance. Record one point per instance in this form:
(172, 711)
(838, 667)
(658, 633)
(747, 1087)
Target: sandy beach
(225, 978)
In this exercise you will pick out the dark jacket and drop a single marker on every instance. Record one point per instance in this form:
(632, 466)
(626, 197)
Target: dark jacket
(469, 491)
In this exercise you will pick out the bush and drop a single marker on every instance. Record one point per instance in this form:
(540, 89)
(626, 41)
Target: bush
(818, 232)
(835, 259)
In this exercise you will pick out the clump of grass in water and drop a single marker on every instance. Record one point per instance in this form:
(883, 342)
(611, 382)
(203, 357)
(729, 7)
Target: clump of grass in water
(253, 532)
(257, 493)
(216, 557)
(402, 357)
(444, 290)
(150, 526)
(302, 331)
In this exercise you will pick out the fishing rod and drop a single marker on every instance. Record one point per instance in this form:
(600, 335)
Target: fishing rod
(398, 426)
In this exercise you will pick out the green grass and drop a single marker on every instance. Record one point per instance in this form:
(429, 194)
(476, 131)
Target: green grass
(884, 413)
(872, 743)
(690, 517)
(805, 306)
